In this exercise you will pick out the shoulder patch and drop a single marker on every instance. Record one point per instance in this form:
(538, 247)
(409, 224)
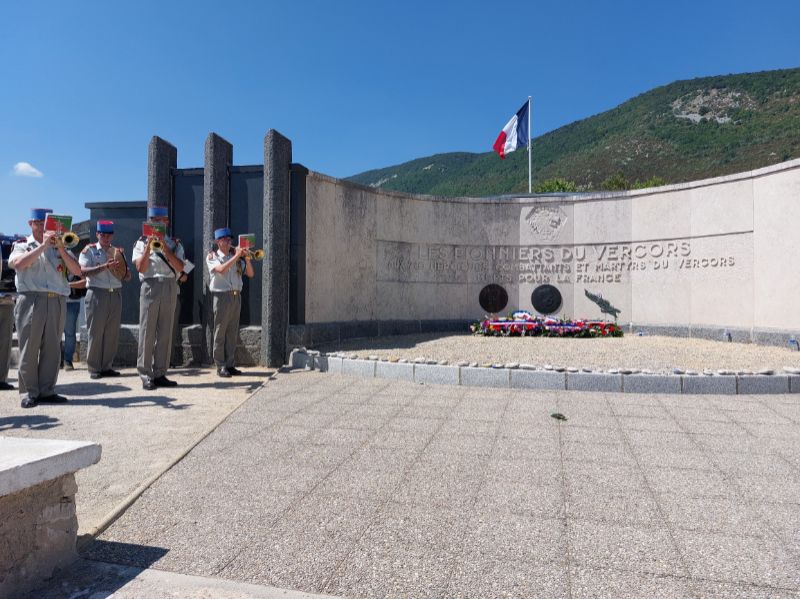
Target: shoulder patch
(86, 250)
(210, 255)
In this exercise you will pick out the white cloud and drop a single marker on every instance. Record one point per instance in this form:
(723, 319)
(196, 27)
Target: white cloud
(26, 169)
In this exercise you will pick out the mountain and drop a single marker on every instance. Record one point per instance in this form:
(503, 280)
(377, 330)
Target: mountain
(683, 131)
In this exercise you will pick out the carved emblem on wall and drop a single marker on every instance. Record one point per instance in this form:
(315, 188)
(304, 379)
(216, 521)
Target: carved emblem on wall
(604, 304)
(546, 221)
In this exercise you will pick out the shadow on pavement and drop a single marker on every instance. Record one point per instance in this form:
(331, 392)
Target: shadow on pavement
(33, 422)
(87, 578)
(90, 388)
(138, 401)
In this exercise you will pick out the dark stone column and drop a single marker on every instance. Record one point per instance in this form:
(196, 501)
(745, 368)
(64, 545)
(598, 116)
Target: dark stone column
(275, 293)
(216, 208)
(162, 159)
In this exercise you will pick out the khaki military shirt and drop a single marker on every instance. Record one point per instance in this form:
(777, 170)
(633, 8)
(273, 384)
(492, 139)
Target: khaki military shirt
(230, 280)
(95, 255)
(157, 265)
(47, 274)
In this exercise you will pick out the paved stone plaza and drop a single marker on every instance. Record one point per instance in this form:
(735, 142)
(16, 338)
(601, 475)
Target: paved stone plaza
(370, 488)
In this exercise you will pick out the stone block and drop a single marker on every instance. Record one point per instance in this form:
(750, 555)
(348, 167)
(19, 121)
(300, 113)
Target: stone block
(333, 363)
(721, 385)
(794, 384)
(763, 384)
(485, 377)
(436, 375)
(362, 368)
(538, 379)
(651, 383)
(299, 359)
(394, 371)
(594, 381)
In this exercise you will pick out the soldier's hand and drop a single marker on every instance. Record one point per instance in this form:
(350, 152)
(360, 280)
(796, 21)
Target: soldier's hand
(49, 237)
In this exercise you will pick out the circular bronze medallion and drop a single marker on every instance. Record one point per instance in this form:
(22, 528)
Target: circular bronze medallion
(493, 298)
(546, 299)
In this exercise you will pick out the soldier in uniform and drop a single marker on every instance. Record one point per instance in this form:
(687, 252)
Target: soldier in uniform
(103, 301)
(6, 333)
(226, 266)
(42, 263)
(158, 271)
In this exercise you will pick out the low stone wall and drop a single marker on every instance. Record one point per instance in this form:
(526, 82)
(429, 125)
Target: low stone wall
(522, 376)
(38, 527)
(191, 351)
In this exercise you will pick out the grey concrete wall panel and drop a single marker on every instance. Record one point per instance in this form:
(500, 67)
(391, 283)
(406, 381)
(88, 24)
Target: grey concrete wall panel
(128, 218)
(275, 286)
(186, 224)
(651, 383)
(247, 216)
(763, 384)
(398, 327)
(794, 384)
(436, 375)
(717, 385)
(297, 243)
(324, 333)
(362, 368)
(538, 379)
(359, 329)
(216, 202)
(485, 377)
(298, 335)
(591, 381)
(162, 160)
(395, 371)
(777, 338)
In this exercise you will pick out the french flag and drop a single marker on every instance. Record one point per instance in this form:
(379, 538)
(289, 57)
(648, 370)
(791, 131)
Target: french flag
(514, 134)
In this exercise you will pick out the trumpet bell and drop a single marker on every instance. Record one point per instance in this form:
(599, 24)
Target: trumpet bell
(258, 255)
(70, 240)
(156, 245)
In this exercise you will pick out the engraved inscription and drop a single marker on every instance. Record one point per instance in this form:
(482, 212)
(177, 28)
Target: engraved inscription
(538, 265)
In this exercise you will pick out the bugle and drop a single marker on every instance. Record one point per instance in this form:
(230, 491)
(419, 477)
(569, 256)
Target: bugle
(68, 239)
(156, 245)
(255, 254)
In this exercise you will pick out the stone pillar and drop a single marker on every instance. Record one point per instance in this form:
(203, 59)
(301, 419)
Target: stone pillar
(275, 290)
(162, 159)
(216, 208)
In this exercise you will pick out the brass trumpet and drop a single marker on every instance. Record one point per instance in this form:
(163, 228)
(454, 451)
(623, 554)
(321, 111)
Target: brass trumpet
(68, 239)
(255, 254)
(156, 245)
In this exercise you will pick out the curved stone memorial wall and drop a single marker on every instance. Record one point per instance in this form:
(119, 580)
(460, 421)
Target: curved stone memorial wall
(709, 258)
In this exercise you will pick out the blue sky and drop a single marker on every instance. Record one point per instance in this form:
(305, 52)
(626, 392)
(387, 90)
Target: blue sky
(355, 85)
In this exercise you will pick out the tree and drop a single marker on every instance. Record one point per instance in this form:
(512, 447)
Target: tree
(616, 182)
(556, 185)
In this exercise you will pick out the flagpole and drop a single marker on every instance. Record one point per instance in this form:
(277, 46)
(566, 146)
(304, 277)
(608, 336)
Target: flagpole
(530, 134)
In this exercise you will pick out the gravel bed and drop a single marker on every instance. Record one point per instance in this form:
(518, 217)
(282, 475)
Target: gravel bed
(659, 354)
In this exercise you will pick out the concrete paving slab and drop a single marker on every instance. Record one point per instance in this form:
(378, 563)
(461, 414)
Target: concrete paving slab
(140, 432)
(406, 491)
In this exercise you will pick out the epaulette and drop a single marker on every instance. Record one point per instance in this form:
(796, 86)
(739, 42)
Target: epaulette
(210, 255)
(142, 238)
(86, 249)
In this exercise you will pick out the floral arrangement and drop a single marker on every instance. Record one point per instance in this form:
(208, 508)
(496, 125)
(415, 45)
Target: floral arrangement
(523, 324)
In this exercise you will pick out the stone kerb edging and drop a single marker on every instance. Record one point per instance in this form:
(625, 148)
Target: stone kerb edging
(522, 376)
